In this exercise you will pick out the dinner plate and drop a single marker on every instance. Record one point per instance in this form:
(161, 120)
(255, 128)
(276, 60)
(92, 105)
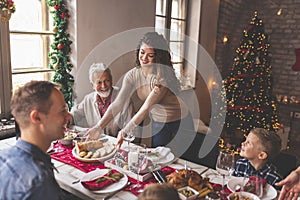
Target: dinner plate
(101, 159)
(166, 160)
(269, 191)
(154, 155)
(111, 188)
(244, 194)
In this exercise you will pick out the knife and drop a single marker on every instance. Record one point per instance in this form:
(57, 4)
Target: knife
(115, 192)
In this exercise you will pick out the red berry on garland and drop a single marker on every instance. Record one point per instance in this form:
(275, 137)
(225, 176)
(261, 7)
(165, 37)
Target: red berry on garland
(60, 46)
(56, 7)
(63, 15)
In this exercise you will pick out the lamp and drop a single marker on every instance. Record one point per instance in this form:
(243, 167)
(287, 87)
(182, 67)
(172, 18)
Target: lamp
(225, 39)
(279, 12)
(296, 66)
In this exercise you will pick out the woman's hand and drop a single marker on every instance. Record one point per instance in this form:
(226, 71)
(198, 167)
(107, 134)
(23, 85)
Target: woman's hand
(120, 139)
(291, 186)
(93, 133)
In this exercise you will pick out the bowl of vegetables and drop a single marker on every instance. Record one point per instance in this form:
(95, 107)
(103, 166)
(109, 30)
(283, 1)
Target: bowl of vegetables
(68, 138)
(187, 193)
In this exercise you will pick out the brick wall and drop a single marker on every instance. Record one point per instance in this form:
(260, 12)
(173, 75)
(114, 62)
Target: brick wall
(284, 37)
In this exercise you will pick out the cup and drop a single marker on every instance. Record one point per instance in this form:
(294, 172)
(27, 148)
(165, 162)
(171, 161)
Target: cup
(133, 159)
(255, 186)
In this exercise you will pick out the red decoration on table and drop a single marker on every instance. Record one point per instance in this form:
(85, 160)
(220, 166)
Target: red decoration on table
(66, 157)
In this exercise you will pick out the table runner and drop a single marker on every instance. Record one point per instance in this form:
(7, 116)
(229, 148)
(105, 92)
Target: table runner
(66, 156)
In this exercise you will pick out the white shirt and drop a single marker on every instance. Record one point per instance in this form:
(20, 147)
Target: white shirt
(86, 114)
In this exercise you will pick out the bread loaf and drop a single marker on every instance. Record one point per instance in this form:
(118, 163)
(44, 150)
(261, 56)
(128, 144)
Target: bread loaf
(88, 146)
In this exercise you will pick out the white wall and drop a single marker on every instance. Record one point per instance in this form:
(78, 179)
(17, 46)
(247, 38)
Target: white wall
(99, 20)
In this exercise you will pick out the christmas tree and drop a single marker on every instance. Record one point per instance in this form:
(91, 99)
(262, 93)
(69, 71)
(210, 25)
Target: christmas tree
(249, 99)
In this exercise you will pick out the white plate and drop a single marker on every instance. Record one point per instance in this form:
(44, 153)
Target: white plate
(102, 159)
(245, 194)
(111, 188)
(161, 161)
(269, 191)
(166, 160)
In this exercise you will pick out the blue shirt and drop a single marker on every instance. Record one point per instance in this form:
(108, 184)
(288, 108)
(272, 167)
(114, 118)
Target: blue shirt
(269, 172)
(26, 172)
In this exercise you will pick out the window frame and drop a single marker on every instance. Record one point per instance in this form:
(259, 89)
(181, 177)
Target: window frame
(168, 19)
(46, 46)
(6, 71)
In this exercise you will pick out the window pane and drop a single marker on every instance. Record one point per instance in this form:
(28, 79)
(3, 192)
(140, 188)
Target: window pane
(26, 51)
(161, 6)
(178, 9)
(160, 24)
(177, 30)
(177, 51)
(21, 79)
(28, 16)
(177, 69)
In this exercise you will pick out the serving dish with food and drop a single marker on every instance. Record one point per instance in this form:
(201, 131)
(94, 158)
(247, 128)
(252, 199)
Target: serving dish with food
(186, 177)
(68, 138)
(120, 163)
(269, 192)
(187, 193)
(104, 180)
(94, 151)
(243, 196)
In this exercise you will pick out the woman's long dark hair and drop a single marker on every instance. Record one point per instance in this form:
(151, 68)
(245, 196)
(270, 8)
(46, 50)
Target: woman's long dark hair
(163, 66)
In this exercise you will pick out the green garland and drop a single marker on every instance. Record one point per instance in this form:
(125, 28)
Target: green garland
(7, 5)
(60, 49)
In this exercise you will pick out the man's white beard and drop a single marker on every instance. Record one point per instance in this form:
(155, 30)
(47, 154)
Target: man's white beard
(104, 94)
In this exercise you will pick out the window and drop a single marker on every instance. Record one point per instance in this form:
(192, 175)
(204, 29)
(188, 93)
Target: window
(30, 37)
(170, 20)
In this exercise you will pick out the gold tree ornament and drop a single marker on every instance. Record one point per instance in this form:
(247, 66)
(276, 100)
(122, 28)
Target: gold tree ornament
(7, 7)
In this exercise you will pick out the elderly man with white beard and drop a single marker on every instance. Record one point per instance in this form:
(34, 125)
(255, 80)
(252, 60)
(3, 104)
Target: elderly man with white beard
(90, 110)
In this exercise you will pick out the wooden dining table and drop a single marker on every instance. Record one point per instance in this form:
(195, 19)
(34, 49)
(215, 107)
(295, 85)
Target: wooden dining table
(68, 176)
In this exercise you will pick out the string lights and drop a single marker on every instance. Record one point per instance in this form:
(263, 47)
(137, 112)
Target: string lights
(249, 99)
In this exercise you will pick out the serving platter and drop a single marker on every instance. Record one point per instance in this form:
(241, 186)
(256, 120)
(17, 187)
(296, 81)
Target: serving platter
(101, 159)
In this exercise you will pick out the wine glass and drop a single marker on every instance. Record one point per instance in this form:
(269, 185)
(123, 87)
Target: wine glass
(225, 164)
(253, 184)
(129, 137)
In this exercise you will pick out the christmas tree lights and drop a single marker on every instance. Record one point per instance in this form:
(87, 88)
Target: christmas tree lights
(61, 50)
(249, 99)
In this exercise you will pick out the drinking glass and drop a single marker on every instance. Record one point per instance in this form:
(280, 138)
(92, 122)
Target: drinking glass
(225, 164)
(254, 184)
(129, 137)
